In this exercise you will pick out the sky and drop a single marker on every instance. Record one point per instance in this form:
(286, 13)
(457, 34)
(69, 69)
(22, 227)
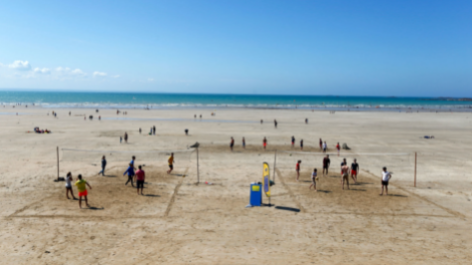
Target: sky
(377, 48)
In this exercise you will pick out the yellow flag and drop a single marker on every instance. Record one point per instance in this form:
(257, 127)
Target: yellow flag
(266, 178)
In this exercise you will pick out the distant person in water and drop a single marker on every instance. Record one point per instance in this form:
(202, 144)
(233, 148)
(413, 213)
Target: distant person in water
(264, 143)
(126, 137)
(293, 141)
(301, 144)
(231, 144)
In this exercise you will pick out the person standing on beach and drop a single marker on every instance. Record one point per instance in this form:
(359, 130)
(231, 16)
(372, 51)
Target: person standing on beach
(231, 144)
(139, 130)
(130, 173)
(104, 164)
(264, 143)
(326, 163)
(126, 137)
(244, 143)
(69, 186)
(154, 130)
(325, 147)
(321, 144)
(170, 161)
(343, 163)
(140, 175)
(301, 144)
(306, 122)
(297, 168)
(121, 139)
(338, 148)
(354, 170)
(293, 141)
(262, 121)
(386, 176)
(275, 124)
(345, 175)
(133, 158)
(81, 185)
(314, 177)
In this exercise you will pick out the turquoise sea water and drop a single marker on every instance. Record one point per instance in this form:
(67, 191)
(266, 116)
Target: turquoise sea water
(161, 100)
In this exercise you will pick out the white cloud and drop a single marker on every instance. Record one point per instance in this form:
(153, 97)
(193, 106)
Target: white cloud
(78, 72)
(62, 69)
(99, 74)
(20, 65)
(42, 70)
(116, 76)
(150, 79)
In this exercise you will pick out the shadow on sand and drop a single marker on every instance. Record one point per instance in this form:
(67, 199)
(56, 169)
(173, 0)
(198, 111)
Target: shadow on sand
(287, 209)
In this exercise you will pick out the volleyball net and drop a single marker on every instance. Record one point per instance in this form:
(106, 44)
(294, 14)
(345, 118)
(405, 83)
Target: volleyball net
(90, 156)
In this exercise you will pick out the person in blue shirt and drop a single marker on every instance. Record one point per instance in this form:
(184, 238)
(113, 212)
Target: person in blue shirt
(132, 162)
(104, 164)
(130, 173)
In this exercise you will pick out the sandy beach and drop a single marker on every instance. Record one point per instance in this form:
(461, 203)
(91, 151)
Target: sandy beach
(180, 222)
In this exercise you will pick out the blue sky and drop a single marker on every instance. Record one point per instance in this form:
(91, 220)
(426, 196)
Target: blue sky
(400, 48)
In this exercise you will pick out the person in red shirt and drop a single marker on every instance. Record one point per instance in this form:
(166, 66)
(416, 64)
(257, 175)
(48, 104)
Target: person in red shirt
(297, 168)
(338, 148)
(140, 176)
(264, 142)
(321, 144)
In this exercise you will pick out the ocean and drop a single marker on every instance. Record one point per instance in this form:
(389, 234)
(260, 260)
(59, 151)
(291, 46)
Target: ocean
(169, 100)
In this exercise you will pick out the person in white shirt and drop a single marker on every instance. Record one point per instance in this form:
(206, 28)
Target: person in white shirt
(386, 176)
(325, 146)
(314, 178)
(69, 186)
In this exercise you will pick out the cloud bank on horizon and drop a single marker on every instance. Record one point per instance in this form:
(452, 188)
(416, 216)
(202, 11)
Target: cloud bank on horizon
(342, 47)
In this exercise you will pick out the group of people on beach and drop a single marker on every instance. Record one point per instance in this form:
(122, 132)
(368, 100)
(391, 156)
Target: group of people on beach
(346, 171)
(134, 175)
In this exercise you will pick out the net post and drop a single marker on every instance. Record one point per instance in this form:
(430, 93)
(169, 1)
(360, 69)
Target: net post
(198, 169)
(273, 174)
(57, 152)
(415, 167)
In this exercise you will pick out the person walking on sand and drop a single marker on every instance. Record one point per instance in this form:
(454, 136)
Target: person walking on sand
(321, 144)
(231, 144)
(338, 148)
(244, 143)
(293, 141)
(130, 173)
(139, 130)
(297, 168)
(69, 186)
(126, 137)
(81, 185)
(275, 124)
(104, 164)
(386, 176)
(301, 144)
(121, 139)
(264, 143)
(170, 161)
(354, 170)
(325, 147)
(306, 121)
(343, 163)
(154, 130)
(314, 178)
(345, 175)
(140, 175)
(133, 158)
(326, 163)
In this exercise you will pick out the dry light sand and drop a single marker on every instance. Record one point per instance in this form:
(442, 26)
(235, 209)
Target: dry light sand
(179, 222)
